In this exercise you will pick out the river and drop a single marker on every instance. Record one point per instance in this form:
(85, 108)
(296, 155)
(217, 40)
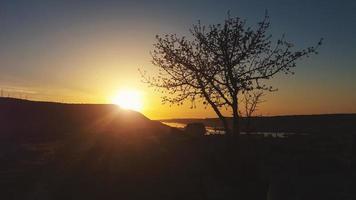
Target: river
(218, 130)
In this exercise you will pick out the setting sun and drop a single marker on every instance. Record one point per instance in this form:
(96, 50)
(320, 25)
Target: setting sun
(128, 99)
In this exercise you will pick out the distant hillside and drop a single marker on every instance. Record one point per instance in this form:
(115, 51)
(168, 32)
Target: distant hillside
(327, 123)
(22, 118)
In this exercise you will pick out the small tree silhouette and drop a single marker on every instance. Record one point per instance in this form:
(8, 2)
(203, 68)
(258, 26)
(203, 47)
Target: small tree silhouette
(250, 102)
(219, 63)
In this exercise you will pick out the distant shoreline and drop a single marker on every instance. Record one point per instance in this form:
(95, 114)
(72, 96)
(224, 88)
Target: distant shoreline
(264, 116)
(318, 123)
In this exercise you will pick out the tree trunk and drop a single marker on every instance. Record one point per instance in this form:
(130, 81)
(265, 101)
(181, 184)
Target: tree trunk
(235, 125)
(226, 126)
(217, 111)
(248, 122)
(235, 118)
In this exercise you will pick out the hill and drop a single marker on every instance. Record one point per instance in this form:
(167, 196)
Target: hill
(75, 151)
(30, 119)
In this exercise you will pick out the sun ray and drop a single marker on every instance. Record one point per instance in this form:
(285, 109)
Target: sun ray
(128, 99)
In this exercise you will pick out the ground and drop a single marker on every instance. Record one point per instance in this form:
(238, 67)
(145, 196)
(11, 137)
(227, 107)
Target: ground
(61, 158)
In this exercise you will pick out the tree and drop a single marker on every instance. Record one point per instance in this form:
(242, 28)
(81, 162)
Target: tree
(220, 62)
(250, 102)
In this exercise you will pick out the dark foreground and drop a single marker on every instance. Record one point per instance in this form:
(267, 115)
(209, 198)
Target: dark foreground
(50, 153)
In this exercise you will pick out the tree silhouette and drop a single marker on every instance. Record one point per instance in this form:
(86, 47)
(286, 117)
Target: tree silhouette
(220, 62)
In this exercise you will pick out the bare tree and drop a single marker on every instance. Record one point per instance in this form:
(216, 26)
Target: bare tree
(220, 62)
(250, 102)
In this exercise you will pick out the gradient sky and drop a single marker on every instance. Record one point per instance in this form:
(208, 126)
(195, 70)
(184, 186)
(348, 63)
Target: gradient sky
(85, 51)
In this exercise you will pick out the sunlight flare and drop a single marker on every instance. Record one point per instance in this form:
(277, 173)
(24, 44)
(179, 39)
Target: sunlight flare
(129, 100)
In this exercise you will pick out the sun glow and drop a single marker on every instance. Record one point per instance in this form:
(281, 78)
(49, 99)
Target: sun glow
(128, 99)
